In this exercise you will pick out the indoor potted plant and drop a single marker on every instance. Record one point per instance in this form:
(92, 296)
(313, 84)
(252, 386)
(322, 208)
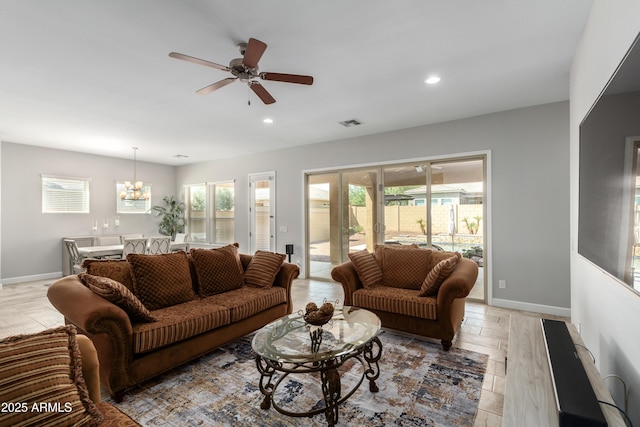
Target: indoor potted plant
(172, 217)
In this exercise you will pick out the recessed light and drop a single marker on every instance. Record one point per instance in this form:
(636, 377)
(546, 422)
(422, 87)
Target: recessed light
(268, 121)
(432, 80)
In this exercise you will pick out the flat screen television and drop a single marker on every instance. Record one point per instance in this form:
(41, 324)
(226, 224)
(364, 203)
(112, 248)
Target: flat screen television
(609, 177)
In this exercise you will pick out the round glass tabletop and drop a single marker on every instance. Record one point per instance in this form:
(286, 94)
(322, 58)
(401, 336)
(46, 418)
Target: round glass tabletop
(289, 339)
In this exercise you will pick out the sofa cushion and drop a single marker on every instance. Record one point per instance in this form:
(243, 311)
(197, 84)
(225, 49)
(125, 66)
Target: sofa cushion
(218, 270)
(118, 294)
(44, 368)
(367, 268)
(247, 301)
(378, 250)
(179, 322)
(263, 268)
(116, 269)
(405, 268)
(438, 274)
(396, 300)
(161, 280)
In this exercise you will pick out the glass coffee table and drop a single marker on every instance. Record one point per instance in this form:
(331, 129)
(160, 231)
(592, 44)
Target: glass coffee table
(289, 345)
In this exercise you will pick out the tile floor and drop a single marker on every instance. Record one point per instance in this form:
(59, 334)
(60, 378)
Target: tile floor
(24, 308)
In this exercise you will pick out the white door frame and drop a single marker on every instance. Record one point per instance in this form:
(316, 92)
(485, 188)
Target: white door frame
(253, 231)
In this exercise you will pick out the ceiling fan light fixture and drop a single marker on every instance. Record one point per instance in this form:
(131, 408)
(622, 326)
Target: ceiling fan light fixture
(268, 121)
(432, 80)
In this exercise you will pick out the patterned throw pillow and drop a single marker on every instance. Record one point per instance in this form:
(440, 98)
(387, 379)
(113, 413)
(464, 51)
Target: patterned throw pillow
(161, 280)
(118, 294)
(405, 268)
(116, 269)
(44, 368)
(367, 268)
(218, 270)
(263, 268)
(437, 275)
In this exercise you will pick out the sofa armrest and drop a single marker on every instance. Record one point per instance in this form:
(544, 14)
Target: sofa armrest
(288, 272)
(346, 274)
(105, 323)
(83, 307)
(457, 285)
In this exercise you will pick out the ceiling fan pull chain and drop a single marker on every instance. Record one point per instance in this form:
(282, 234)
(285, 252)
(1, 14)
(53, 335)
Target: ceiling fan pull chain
(248, 96)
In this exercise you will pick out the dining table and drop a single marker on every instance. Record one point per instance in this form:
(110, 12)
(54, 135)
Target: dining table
(114, 250)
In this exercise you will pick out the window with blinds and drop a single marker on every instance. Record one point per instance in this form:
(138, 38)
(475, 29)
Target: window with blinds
(65, 195)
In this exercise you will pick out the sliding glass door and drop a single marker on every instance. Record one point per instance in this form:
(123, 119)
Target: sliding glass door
(342, 217)
(439, 204)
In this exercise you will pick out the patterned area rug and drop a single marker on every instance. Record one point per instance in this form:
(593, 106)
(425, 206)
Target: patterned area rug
(420, 385)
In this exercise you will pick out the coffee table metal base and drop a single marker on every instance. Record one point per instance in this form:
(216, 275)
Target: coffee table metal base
(368, 355)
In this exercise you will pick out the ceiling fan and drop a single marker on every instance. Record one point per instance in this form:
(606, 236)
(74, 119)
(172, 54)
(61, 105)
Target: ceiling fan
(246, 70)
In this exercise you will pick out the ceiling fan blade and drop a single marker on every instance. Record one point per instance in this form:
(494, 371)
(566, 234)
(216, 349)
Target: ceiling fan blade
(287, 78)
(215, 86)
(253, 53)
(262, 93)
(198, 61)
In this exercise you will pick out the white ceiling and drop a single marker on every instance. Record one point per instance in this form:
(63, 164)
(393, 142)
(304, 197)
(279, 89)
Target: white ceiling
(95, 76)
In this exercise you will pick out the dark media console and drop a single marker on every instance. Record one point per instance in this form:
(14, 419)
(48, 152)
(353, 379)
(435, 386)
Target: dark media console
(576, 400)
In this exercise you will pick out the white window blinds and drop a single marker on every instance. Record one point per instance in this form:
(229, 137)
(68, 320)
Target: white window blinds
(65, 195)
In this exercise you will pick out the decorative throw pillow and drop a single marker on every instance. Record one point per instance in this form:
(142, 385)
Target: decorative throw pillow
(116, 269)
(118, 294)
(404, 268)
(42, 381)
(437, 275)
(218, 270)
(161, 280)
(437, 256)
(263, 268)
(367, 268)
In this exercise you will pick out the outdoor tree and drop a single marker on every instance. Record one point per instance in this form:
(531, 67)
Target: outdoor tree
(224, 199)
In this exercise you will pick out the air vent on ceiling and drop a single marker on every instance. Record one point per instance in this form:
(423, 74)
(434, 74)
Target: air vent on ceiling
(349, 123)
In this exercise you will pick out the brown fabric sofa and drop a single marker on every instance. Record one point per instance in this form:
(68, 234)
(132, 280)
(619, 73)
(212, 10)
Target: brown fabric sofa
(131, 352)
(395, 299)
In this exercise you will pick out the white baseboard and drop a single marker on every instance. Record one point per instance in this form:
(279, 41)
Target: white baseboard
(32, 278)
(536, 308)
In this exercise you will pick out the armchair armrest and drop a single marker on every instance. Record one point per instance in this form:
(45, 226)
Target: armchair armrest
(457, 285)
(90, 367)
(346, 274)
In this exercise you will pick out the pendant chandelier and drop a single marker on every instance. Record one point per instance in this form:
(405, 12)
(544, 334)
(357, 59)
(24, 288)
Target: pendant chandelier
(134, 190)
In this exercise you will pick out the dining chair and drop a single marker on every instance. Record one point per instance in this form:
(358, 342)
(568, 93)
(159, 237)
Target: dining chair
(134, 246)
(159, 245)
(108, 240)
(130, 236)
(182, 240)
(75, 259)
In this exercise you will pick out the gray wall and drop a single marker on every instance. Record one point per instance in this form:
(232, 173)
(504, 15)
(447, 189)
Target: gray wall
(530, 198)
(31, 240)
(607, 311)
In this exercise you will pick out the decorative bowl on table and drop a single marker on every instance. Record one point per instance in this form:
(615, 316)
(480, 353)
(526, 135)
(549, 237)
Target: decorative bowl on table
(318, 316)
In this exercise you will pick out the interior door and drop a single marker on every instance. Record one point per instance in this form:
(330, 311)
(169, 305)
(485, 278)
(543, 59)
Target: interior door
(262, 212)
